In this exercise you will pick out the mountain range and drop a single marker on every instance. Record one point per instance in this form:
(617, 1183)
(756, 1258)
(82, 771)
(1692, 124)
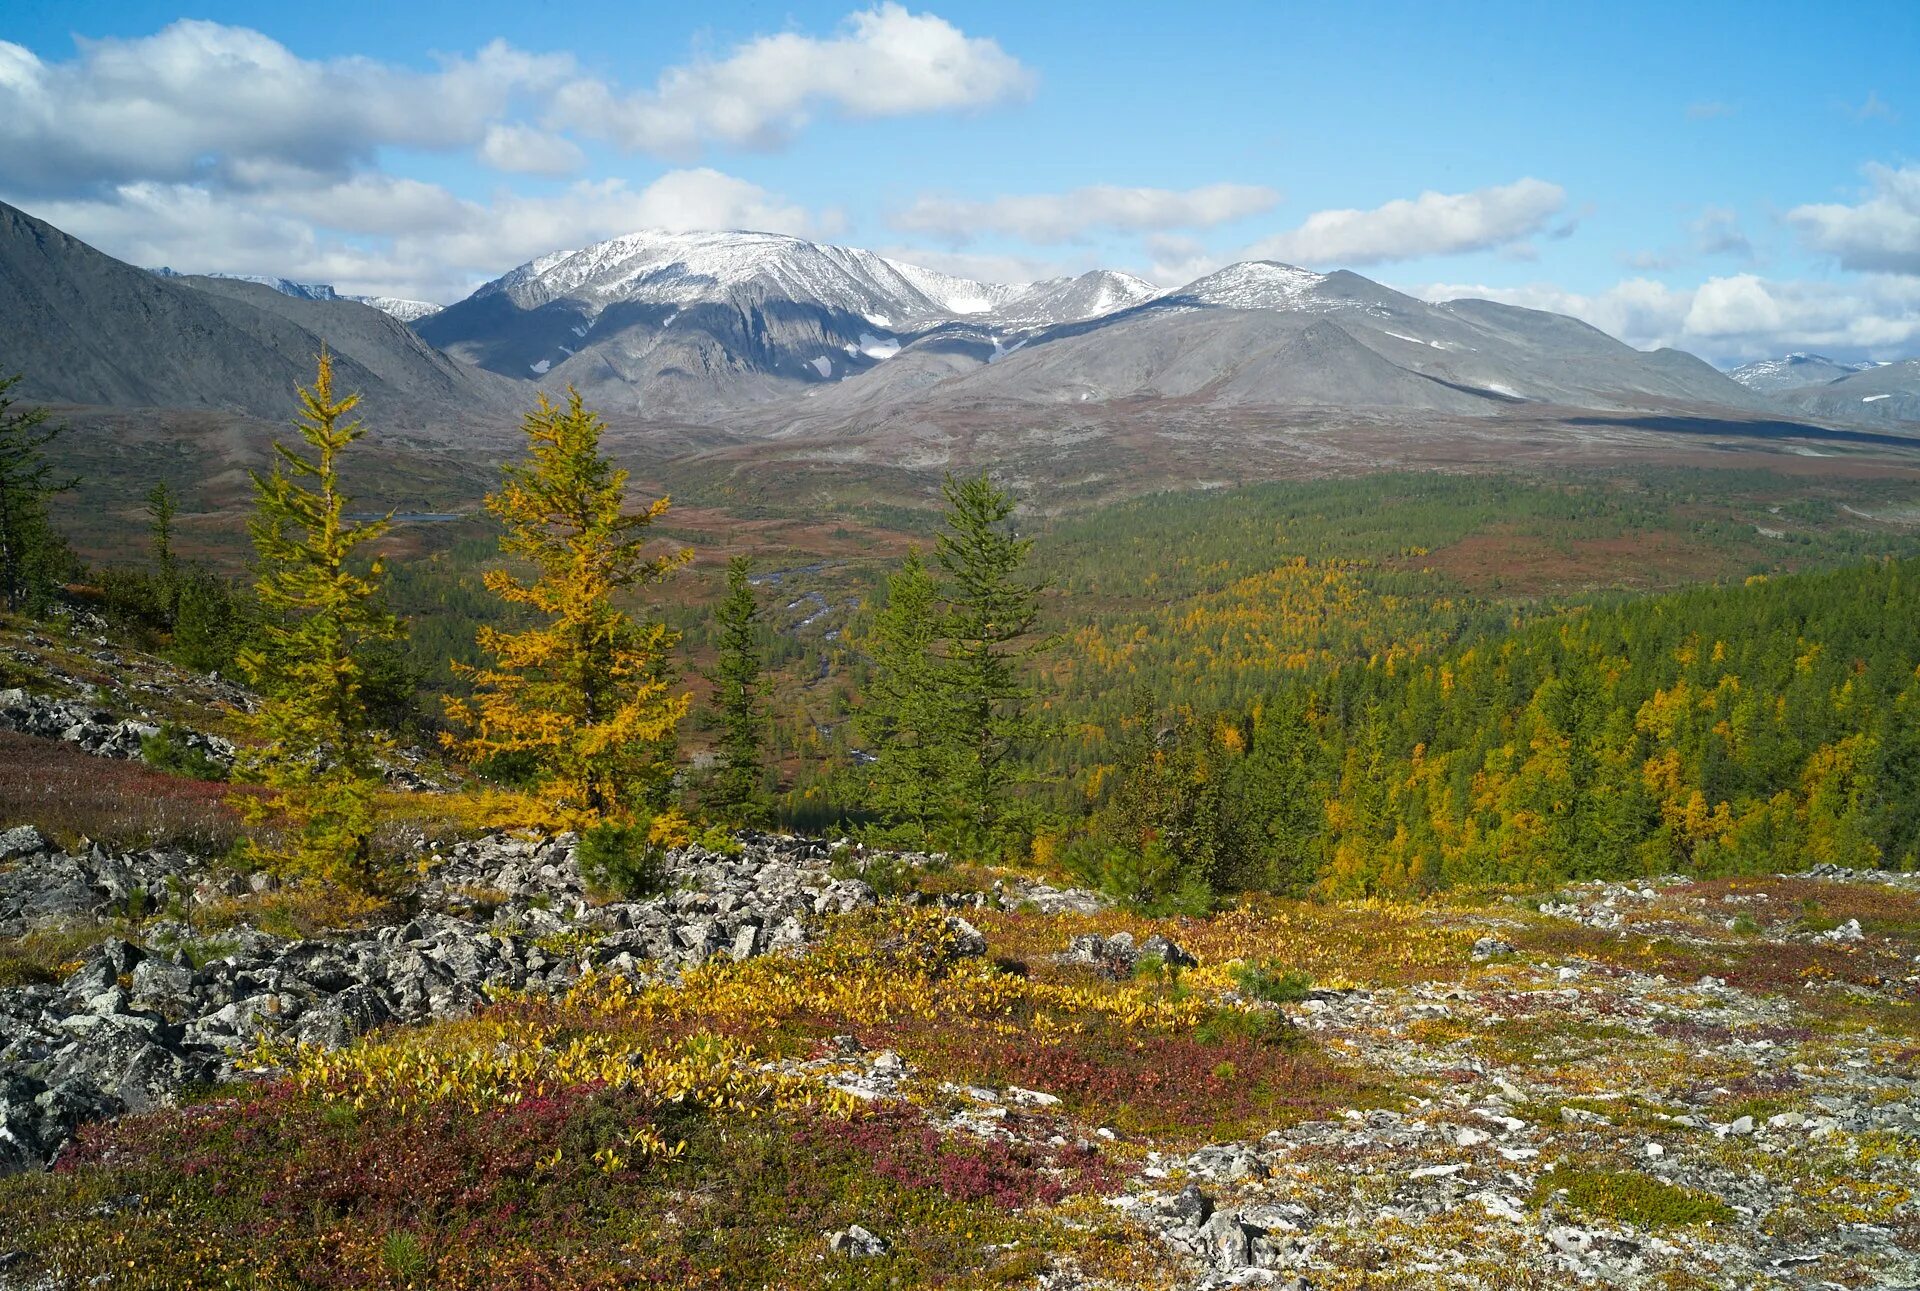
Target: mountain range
(683, 324)
(407, 311)
(1793, 371)
(767, 334)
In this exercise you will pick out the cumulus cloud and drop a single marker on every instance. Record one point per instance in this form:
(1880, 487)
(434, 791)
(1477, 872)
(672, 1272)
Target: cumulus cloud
(523, 150)
(989, 266)
(1430, 224)
(1734, 318)
(199, 101)
(197, 97)
(884, 62)
(1066, 217)
(382, 236)
(1881, 233)
(206, 146)
(1175, 259)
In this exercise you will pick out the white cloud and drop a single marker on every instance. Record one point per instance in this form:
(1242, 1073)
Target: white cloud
(1734, 318)
(1431, 224)
(1174, 259)
(1498, 219)
(988, 266)
(1708, 111)
(1736, 306)
(201, 101)
(1880, 234)
(524, 150)
(193, 99)
(381, 236)
(1064, 217)
(205, 146)
(884, 62)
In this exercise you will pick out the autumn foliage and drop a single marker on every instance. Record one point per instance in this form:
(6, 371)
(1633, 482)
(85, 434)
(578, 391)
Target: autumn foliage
(583, 697)
(315, 742)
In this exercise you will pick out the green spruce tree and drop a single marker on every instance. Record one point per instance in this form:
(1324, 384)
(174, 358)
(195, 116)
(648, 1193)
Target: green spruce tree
(738, 793)
(166, 566)
(987, 641)
(33, 558)
(903, 718)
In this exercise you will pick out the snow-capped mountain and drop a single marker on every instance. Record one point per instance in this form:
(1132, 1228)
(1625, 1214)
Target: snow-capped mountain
(1792, 372)
(1872, 393)
(684, 324)
(407, 311)
(1255, 284)
(1094, 294)
(654, 267)
(658, 268)
(285, 286)
(665, 321)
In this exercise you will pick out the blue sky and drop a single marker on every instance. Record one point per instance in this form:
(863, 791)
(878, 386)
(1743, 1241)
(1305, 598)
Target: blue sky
(1734, 179)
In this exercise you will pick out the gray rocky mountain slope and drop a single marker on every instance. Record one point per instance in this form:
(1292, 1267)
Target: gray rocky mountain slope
(1792, 371)
(1272, 335)
(85, 328)
(407, 311)
(661, 323)
(688, 324)
(1889, 393)
(775, 333)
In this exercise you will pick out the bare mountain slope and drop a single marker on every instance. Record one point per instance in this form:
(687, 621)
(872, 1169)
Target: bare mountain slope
(85, 328)
(1777, 376)
(1264, 334)
(659, 323)
(1888, 393)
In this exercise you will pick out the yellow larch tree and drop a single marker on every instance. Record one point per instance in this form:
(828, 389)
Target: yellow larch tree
(583, 695)
(316, 744)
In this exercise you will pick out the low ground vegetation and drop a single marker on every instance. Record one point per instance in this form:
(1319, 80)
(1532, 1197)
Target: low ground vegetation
(1538, 1090)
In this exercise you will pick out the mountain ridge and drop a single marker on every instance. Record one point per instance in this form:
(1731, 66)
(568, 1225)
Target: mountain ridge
(1792, 372)
(774, 334)
(85, 328)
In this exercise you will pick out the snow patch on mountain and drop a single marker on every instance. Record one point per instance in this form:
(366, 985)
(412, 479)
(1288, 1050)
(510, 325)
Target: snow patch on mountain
(1258, 284)
(1793, 372)
(873, 346)
(683, 269)
(407, 311)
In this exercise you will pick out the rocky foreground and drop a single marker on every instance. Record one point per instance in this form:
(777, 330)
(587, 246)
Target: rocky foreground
(1676, 1084)
(133, 1025)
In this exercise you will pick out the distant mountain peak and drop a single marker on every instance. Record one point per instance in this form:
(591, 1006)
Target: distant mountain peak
(407, 311)
(1793, 372)
(1255, 284)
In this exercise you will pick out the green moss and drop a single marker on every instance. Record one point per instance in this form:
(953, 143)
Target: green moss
(17, 970)
(1546, 1038)
(1629, 1197)
(1271, 983)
